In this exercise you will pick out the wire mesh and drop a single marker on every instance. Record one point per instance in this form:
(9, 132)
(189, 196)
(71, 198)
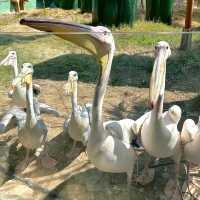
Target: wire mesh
(127, 95)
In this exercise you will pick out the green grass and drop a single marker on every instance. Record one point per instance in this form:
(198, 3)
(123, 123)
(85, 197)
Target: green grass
(54, 57)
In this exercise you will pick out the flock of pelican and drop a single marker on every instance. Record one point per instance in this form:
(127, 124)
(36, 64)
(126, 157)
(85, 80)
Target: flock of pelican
(108, 144)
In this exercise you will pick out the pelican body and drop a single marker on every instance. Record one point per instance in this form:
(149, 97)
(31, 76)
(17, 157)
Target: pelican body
(121, 129)
(190, 136)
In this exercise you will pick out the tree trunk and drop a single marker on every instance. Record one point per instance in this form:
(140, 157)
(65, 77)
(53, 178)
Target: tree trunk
(186, 40)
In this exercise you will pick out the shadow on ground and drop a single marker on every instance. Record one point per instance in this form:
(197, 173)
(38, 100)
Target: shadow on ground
(94, 184)
(132, 70)
(7, 39)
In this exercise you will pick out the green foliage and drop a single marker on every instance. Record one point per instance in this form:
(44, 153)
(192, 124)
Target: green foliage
(114, 12)
(86, 5)
(159, 10)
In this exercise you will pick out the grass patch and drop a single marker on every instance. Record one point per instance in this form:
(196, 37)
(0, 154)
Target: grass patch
(5, 74)
(54, 57)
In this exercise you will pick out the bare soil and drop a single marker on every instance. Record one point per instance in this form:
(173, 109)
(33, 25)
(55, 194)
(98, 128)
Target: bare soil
(75, 177)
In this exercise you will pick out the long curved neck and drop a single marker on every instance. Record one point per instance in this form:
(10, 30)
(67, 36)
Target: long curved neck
(15, 68)
(158, 109)
(105, 68)
(159, 75)
(74, 98)
(30, 113)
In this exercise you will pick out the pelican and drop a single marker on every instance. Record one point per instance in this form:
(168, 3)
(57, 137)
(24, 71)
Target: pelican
(159, 134)
(78, 124)
(190, 137)
(32, 132)
(11, 60)
(19, 94)
(106, 152)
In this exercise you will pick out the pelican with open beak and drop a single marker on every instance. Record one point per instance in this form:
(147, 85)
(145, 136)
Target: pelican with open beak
(107, 152)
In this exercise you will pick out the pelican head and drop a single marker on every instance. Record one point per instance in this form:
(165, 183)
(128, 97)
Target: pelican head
(175, 113)
(72, 80)
(10, 58)
(157, 83)
(27, 72)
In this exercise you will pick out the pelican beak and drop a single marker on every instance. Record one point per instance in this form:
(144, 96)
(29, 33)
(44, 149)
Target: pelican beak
(27, 79)
(68, 88)
(5, 61)
(157, 82)
(89, 37)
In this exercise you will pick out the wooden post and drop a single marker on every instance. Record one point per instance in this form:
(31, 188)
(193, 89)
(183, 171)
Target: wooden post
(186, 40)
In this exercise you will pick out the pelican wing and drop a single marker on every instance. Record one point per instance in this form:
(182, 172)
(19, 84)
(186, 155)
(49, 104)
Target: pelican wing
(11, 119)
(44, 108)
(36, 89)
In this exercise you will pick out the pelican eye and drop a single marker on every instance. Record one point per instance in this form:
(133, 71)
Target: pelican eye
(167, 47)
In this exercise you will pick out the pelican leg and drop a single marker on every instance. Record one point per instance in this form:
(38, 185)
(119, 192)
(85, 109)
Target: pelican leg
(147, 174)
(43, 156)
(172, 188)
(5, 123)
(23, 164)
(129, 182)
(69, 155)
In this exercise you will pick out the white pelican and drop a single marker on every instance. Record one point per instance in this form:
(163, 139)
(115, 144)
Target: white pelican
(159, 134)
(11, 60)
(78, 124)
(32, 131)
(19, 94)
(190, 137)
(105, 151)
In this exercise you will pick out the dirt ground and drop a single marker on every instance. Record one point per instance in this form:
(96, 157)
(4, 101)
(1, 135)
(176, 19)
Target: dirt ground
(75, 177)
